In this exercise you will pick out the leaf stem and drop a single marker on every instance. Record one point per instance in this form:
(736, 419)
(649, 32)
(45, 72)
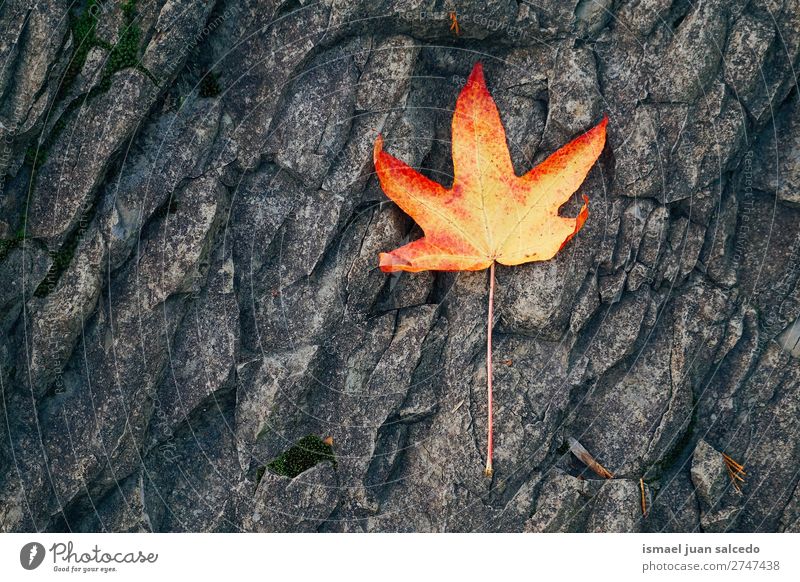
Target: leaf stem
(488, 471)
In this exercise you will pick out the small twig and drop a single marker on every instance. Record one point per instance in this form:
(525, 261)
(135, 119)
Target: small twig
(734, 464)
(644, 499)
(583, 455)
(736, 472)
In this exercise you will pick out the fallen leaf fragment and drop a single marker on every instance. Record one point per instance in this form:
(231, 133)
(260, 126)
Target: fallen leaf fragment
(587, 459)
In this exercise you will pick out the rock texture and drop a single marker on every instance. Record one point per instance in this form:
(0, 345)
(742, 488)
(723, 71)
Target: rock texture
(188, 286)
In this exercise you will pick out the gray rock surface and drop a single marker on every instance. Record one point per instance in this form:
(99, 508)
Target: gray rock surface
(189, 231)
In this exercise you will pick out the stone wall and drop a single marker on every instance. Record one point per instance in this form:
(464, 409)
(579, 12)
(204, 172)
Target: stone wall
(190, 226)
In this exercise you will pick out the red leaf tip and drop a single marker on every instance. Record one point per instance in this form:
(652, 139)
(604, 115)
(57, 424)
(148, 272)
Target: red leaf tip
(476, 76)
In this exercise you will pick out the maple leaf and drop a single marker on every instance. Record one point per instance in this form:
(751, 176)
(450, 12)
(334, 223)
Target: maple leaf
(489, 215)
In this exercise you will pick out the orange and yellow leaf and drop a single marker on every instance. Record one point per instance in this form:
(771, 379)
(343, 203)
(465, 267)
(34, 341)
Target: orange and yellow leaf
(489, 214)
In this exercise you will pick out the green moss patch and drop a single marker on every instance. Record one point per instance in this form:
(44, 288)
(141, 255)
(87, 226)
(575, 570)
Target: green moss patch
(83, 36)
(209, 85)
(306, 453)
(122, 55)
